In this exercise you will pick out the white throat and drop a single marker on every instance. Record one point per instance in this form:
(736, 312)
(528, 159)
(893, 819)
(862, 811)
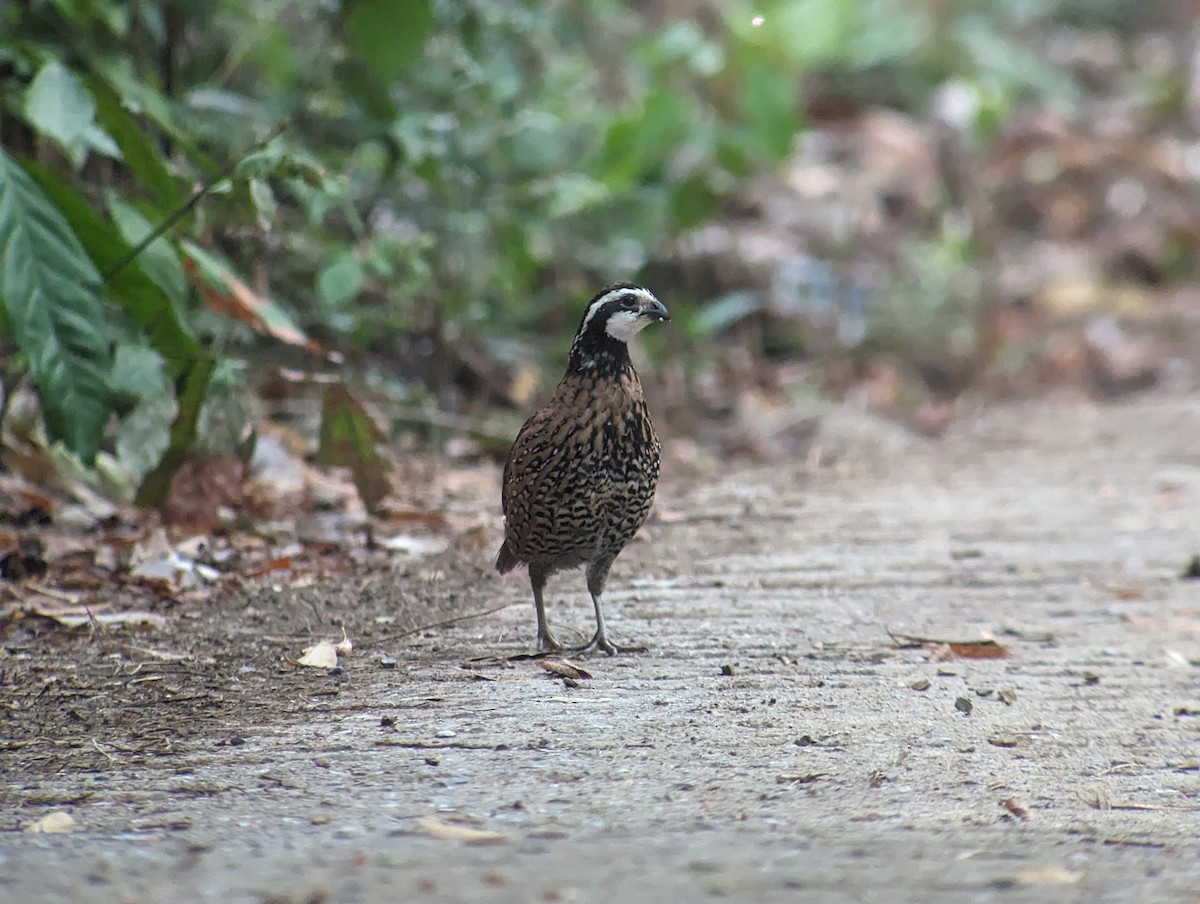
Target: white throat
(624, 325)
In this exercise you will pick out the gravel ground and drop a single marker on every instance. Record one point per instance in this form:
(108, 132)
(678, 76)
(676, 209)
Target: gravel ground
(781, 739)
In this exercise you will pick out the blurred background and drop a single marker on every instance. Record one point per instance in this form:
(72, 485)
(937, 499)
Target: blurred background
(365, 226)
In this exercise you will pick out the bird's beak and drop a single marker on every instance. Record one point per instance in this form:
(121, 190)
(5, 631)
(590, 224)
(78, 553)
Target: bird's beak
(656, 310)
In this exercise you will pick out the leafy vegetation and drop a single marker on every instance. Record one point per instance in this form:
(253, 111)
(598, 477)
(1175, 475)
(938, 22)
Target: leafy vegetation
(380, 177)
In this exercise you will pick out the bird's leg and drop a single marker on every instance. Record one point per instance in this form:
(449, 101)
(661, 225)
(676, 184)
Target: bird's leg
(597, 577)
(600, 639)
(545, 640)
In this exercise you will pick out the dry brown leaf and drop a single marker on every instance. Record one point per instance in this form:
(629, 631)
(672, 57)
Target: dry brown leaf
(563, 669)
(322, 655)
(238, 301)
(1048, 875)
(434, 521)
(77, 617)
(1016, 807)
(282, 563)
(57, 823)
(939, 649)
(449, 831)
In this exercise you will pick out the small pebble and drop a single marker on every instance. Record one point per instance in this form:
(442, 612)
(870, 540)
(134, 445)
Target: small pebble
(1007, 695)
(727, 671)
(921, 684)
(447, 733)
(963, 705)
(387, 722)
(337, 672)
(1091, 678)
(387, 663)
(570, 682)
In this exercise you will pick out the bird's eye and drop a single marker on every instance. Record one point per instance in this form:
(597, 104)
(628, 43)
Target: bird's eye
(628, 302)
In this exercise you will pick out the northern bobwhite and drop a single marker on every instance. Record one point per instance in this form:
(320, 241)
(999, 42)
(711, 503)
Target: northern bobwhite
(582, 472)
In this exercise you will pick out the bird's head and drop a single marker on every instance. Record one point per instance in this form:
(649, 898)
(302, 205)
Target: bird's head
(616, 314)
(621, 311)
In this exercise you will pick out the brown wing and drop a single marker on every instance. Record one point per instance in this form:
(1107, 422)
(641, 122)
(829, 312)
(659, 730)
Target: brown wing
(534, 454)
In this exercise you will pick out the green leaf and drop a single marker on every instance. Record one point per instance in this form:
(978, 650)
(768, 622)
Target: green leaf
(58, 105)
(191, 390)
(266, 207)
(574, 192)
(388, 35)
(341, 279)
(770, 103)
(50, 289)
(158, 260)
(638, 147)
(693, 201)
(349, 438)
(143, 435)
(147, 304)
(137, 150)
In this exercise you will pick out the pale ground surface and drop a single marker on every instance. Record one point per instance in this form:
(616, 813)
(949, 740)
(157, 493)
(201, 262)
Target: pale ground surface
(815, 771)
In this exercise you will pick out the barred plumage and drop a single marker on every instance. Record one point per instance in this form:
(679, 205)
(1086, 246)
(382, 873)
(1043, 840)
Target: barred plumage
(582, 473)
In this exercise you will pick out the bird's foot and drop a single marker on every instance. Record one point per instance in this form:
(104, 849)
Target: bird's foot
(547, 645)
(600, 641)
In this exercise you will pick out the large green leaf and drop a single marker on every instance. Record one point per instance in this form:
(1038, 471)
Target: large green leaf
(58, 105)
(190, 390)
(159, 260)
(147, 304)
(388, 35)
(51, 292)
(139, 152)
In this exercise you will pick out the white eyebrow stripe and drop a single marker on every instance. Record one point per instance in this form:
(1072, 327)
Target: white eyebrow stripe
(644, 294)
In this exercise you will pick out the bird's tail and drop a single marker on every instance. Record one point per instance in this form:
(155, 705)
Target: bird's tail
(506, 559)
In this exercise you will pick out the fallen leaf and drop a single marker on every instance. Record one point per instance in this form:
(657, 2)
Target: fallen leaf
(322, 655)
(415, 546)
(78, 617)
(804, 778)
(1004, 741)
(1016, 807)
(433, 826)
(428, 520)
(1048, 875)
(57, 823)
(939, 649)
(563, 669)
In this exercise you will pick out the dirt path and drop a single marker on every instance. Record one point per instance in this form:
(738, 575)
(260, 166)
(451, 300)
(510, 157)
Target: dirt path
(773, 740)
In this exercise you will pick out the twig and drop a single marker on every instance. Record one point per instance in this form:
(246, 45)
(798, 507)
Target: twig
(1099, 802)
(61, 596)
(432, 417)
(103, 752)
(917, 640)
(441, 624)
(186, 208)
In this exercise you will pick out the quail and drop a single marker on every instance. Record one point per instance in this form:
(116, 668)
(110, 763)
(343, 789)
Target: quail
(582, 472)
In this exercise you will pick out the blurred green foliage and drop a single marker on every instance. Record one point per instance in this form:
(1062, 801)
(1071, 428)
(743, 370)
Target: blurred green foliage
(382, 171)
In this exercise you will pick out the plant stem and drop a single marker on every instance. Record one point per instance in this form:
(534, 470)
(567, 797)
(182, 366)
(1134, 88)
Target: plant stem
(186, 208)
